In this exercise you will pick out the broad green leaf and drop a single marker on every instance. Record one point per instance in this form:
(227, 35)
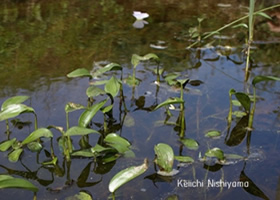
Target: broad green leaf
(136, 58)
(264, 15)
(129, 81)
(14, 110)
(239, 113)
(183, 81)
(119, 143)
(213, 133)
(112, 86)
(94, 91)
(14, 100)
(244, 100)
(185, 159)
(81, 196)
(88, 114)
(76, 130)
(258, 79)
(34, 146)
(98, 149)
(190, 143)
(14, 155)
(4, 146)
(70, 107)
(169, 101)
(215, 152)
(81, 72)
(164, 157)
(100, 82)
(127, 175)
(109, 67)
(10, 182)
(41, 132)
(170, 78)
(83, 153)
(236, 103)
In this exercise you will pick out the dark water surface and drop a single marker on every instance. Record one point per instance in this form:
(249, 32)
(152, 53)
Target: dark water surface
(42, 41)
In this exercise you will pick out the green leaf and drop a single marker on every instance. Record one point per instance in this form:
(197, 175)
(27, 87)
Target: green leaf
(70, 107)
(136, 58)
(14, 155)
(41, 132)
(52, 162)
(130, 81)
(98, 149)
(236, 103)
(243, 25)
(258, 79)
(239, 114)
(244, 100)
(190, 143)
(213, 133)
(34, 146)
(107, 108)
(4, 146)
(169, 101)
(127, 175)
(170, 78)
(14, 100)
(94, 91)
(112, 86)
(81, 196)
(88, 114)
(81, 72)
(185, 159)
(76, 130)
(83, 153)
(264, 15)
(119, 143)
(215, 152)
(10, 182)
(109, 67)
(14, 110)
(164, 157)
(129, 121)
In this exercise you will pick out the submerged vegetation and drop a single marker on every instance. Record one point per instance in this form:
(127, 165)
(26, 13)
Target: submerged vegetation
(102, 141)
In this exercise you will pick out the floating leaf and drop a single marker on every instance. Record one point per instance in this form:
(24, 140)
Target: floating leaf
(4, 146)
(81, 196)
(169, 101)
(215, 152)
(258, 79)
(81, 72)
(14, 155)
(119, 143)
(185, 159)
(76, 130)
(41, 132)
(190, 143)
(94, 91)
(136, 58)
(14, 100)
(239, 114)
(70, 107)
(244, 100)
(88, 114)
(213, 133)
(127, 175)
(109, 67)
(164, 157)
(11, 182)
(112, 86)
(34, 146)
(14, 110)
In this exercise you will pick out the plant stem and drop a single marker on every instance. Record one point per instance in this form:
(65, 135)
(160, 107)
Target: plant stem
(252, 111)
(36, 122)
(67, 121)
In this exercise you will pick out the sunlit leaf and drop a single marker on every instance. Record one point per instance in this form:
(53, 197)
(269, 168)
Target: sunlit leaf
(213, 133)
(81, 72)
(83, 153)
(185, 159)
(14, 110)
(4, 146)
(264, 15)
(244, 100)
(109, 67)
(76, 130)
(112, 86)
(14, 155)
(94, 91)
(10, 182)
(233, 156)
(81, 196)
(215, 152)
(41, 132)
(70, 107)
(236, 103)
(88, 114)
(107, 108)
(127, 175)
(190, 143)
(239, 114)
(258, 79)
(98, 149)
(164, 157)
(243, 25)
(169, 101)
(34, 146)
(136, 58)
(119, 143)
(14, 100)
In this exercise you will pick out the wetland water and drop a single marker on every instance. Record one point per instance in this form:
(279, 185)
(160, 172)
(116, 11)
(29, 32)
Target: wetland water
(42, 41)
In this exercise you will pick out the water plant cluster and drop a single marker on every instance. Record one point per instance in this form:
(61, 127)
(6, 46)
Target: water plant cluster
(104, 95)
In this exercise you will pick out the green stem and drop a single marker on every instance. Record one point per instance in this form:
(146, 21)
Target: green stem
(8, 128)
(36, 122)
(67, 121)
(252, 111)
(232, 23)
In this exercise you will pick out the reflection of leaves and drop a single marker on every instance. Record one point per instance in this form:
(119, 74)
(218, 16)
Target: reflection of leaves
(82, 179)
(238, 133)
(158, 178)
(252, 187)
